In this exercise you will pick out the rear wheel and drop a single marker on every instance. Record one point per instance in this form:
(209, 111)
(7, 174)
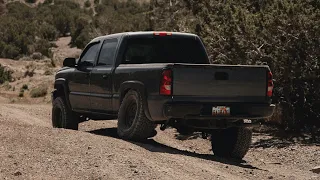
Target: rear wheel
(132, 121)
(62, 116)
(232, 142)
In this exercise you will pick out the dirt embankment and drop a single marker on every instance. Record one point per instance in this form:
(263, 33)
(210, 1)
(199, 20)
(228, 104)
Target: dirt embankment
(31, 149)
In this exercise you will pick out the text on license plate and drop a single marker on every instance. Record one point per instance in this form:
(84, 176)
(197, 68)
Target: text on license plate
(221, 111)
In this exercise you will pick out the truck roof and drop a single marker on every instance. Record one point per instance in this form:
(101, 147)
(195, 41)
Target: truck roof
(142, 34)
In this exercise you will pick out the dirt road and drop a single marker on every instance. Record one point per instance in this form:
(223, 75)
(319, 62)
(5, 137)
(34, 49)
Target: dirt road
(31, 149)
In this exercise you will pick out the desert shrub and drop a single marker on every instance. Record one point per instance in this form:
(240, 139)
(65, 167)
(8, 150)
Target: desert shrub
(39, 91)
(6, 85)
(81, 38)
(87, 4)
(80, 33)
(69, 4)
(47, 72)
(62, 19)
(25, 87)
(36, 56)
(43, 46)
(27, 30)
(5, 74)
(10, 51)
(114, 16)
(29, 72)
(96, 1)
(30, 1)
(48, 32)
(21, 11)
(2, 7)
(48, 1)
(18, 31)
(21, 93)
(285, 34)
(16, 37)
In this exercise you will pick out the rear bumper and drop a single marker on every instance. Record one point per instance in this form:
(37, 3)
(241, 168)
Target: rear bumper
(203, 112)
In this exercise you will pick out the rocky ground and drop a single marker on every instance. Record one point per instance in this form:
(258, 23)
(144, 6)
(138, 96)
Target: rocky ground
(31, 149)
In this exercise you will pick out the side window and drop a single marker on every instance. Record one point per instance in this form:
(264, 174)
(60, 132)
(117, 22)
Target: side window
(108, 51)
(90, 54)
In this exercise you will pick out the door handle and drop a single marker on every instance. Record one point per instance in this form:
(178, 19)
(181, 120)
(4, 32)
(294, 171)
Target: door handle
(105, 76)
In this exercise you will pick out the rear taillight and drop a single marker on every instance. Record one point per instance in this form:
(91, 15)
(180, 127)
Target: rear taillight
(166, 82)
(270, 84)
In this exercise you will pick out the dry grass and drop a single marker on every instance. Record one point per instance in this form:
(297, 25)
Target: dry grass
(40, 91)
(276, 118)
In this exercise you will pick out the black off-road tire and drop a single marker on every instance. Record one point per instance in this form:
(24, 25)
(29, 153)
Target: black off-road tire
(62, 115)
(232, 142)
(132, 121)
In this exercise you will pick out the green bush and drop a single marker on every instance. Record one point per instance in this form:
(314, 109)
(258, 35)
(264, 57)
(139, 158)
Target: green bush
(5, 75)
(48, 1)
(30, 1)
(285, 34)
(2, 7)
(39, 91)
(27, 30)
(43, 46)
(69, 4)
(25, 87)
(114, 16)
(21, 93)
(48, 32)
(6, 85)
(87, 4)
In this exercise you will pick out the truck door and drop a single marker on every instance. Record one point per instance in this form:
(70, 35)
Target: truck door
(79, 82)
(101, 77)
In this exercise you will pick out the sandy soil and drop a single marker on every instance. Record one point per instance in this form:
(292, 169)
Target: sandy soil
(31, 149)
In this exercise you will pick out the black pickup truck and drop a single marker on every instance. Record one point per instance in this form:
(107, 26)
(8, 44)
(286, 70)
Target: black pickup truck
(145, 79)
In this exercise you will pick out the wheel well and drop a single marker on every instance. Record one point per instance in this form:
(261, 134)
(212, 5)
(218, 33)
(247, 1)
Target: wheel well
(58, 92)
(123, 93)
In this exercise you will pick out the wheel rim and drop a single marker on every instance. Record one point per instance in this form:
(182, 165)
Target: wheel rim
(130, 113)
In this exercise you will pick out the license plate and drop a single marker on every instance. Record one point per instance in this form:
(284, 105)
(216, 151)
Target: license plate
(221, 111)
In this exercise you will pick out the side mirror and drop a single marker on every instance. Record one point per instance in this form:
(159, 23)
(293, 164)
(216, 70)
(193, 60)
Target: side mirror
(69, 62)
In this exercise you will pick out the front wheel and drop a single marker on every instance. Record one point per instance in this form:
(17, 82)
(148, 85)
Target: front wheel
(62, 116)
(132, 121)
(232, 142)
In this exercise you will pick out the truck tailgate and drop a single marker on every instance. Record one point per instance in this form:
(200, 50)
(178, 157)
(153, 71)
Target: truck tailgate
(224, 83)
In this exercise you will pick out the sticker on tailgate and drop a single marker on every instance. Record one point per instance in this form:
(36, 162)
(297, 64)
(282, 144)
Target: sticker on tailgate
(220, 111)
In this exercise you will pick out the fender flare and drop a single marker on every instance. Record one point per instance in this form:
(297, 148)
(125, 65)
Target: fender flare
(138, 86)
(60, 86)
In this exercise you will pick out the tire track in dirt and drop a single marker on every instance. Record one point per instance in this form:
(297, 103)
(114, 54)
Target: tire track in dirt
(37, 115)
